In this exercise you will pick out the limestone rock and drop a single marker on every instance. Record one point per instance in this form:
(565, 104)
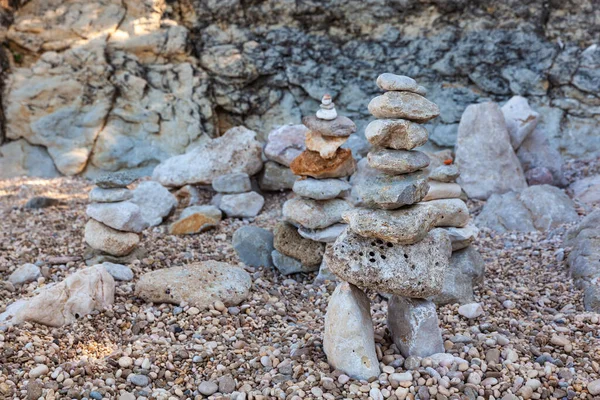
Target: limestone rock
(286, 143)
(445, 173)
(466, 270)
(99, 195)
(321, 189)
(236, 151)
(290, 243)
(111, 241)
(325, 235)
(587, 190)
(484, 154)
(242, 205)
(348, 337)
(24, 274)
(254, 246)
(326, 146)
(395, 162)
(196, 219)
(310, 163)
(112, 180)
(396, 134)
(400, 83)
(198, 284)
(19, 158)
(324, 275)
(154, 200)
(415, 270)
(442, 190)
(289, 265)
(462, 237)
(520, 119)
(537, 152)
(314, 214)
(414, 327)
(470, 310)
(237, 182)
(405, 105)
(122, 216)
(379, 190)
(340, 126)
(276, 177)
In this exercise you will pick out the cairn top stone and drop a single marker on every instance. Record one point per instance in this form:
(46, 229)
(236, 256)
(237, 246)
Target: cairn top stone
(340, 126)
(327, 109)
(402, 83)
(114, 180)
(405, 105)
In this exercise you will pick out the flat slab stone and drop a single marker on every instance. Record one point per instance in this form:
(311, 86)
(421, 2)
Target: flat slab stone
(326, 146)
(321, 189)
(99, 195)
(462, 237)
(114, 179)
(379, 190)
(289, 242)
(242, 205)
(237, 182)
(326, 235)
(414, 270)
(401, 83)
(405, 105)
(341, 126)
(310, 163)
(196, 219)
(314, 214)
(123, 216)
(399, 134)
(289, 265)
(445, 173)
(276, 177)
(285, 143)
(396, 162)
(442, 190)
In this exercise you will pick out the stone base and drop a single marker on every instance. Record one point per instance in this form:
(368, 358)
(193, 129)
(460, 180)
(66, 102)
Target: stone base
(93, 257)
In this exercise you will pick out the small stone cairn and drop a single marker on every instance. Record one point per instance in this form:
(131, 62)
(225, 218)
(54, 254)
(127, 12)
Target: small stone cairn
(393, 245)
(314, 217)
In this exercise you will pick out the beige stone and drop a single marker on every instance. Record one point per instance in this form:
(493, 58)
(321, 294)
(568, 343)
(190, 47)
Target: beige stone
(109, 240)
(310, 163)
(325, 146)
(398, 134)
(442, 190)
(405, 105)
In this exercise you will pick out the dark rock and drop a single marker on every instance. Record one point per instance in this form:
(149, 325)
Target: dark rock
(41, 202)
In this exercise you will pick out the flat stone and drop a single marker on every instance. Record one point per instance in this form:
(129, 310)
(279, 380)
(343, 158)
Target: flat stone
(119, 179)
(395, 82)
(139, 380)
(123, 216)
(285, 143)
(322, 189)
(396, 162)
(196, 219)
(445, 173)
(314, 214)
(242, 205)
(442, 190)
(119, 272)
(326, 146)
(520, 119)
(199, 284)
(94, 257)
(310, 163)
(325, 235)
(462, 237)
(407, 225)
(24, 274)
(38, 202)
(414, 327)
(237, 182)
(405, 105)
(254, 246)
(288, 242)
(379, 190)
(288, 265)
(415, 270)
(154, 200)
(276, 177)
(108, 240)
(348, 335)
(340, 127)
(396, 134)
(99, 195)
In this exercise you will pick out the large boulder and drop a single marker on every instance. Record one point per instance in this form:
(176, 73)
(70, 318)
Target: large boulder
(484, 154)
(19, 158)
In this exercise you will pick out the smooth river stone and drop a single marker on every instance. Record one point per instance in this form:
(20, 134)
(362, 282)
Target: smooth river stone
(113, 195)
(341, 126)
(407, 225)
(413, 270)
(379, 190)
(398, 134)
(401, 83)
(289, 242)
(321, 189)
(396, 162)
(442, 190)
(404, 105)
(326, 146)
(314, 214)
(237, 182)
(445, 173)
(310, 163)
(101, 237)
(326, 235)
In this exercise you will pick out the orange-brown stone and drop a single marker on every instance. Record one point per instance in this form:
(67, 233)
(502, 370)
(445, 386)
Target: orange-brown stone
(310, 163)
(196, 219)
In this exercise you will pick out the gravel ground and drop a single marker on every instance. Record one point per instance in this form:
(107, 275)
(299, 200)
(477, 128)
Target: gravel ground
(534, 338)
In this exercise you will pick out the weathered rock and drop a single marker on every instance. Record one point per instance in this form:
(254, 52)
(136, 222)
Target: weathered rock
(310, 163)
(445, 173)
(537, 152)
(154, 200)
(415, 270)
(118, 272)
(405, 105)
(19, 158)
(442, 190)
(539, 176)
(348, 337)
(188, 195)
(321, 189)
(396, 134)
(326, 235)
(112, 180)
(407, 225)
(276, 177)
(400, 83)
(254, 246)
(198, 284)
(414, 326)
(462, 237)
(242, 205)
(94, 257)
(236, 151)
(338, 127)
(470, 310)
(395, 162)
(111, 241)
(41, 202)
(288, 265)
(326, 146)
(237, 182)
(196, 219)
(324, 275)
(87, 290)
(587, 190)
(285, 143)
(466, 270)
(584, 258)
(314, 214)
(122, 216)
(520, 119)
(99, 195)
(24, 274)
(484, 154)
(290, 243)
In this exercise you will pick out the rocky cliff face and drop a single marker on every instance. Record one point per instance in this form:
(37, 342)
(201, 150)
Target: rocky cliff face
(111, 84)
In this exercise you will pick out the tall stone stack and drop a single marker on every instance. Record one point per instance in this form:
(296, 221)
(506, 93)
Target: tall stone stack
(313, 218)
(393, 244)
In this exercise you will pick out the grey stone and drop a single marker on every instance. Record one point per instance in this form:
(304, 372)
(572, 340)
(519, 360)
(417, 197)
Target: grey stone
(237, 182)
(503, 213)
(470, 310)
(123, 216)
(276, 177)
(415, 270)
(484, 154)
(358, 145)
(395, 162)
(118, 271)
(254, 246)
(289, 265)
(466, 270)
(226, 384)
(396, 134)
(338, 127)
(414, 326)
(395, 82)
(41, 202)
(109, 240)
(443, 190)
(462, 237)
(208, 388)
(348, 337)
(520, 119)
(587, 190)
(445, 173)
(139, 380)
(321, 189)
(19, 158)
(285, 143)
(119, 179)
(242, 205)
(314, 214)
(324, 275)
(536, 152)
(405, 105)
(539, 176)
(24, 274)
(154, 200)
(325, 235)
(114, 195)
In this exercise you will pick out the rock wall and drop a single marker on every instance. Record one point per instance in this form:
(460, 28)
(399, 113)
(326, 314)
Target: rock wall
(124, 84)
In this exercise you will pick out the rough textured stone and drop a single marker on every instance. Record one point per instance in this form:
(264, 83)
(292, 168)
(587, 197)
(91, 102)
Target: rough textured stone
(288, 265)
(196, 219)
(445, 173)
(587, 190)
(470, 310)
(536, 152)
(154, 200)
(321, 189)
(348, 337)
(326, 146)
(253, 246)
(19, 158)
(24, 274)
(405, 105)
(414, 327)
(237, 182)
(276, 177)
(285, 143)
(484, 154)
(113, 180)
(396, 134)
(324, 275)
(401, 83)
(198, 284)
(290, 243)
(395, 162)
(111, 241)
(99, 195)
(442, 190)
(314, 214)
(242, 205)
(122, 216)
(539, 176)
(310, 163)
(415, 270)
(466, 270)
(325, 235)
(338, 127)
(462, 237)
(520, 119)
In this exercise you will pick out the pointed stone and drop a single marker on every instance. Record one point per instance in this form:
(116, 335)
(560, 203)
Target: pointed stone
(398, 134)
(442, 190)
(321, 189)
(314, 214)
(462, 237)
(348, 338)
(341, 126)
(405, 105)
(310, 163)
(397, 162)
(324, 274)
(326, 146)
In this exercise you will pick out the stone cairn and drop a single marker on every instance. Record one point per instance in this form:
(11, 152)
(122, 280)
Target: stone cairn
(313, 218)
(393, 244)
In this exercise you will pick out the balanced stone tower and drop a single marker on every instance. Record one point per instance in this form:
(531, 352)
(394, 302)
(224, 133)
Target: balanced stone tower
(393, 244)
(314, 217)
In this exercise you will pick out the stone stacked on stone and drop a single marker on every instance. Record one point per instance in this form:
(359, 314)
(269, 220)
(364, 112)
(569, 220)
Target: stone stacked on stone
(394, 244)
(314, 217)
(284, 144)
(235, 196)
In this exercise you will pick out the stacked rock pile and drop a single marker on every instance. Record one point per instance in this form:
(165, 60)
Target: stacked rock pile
(314, 217)
(393, 245)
